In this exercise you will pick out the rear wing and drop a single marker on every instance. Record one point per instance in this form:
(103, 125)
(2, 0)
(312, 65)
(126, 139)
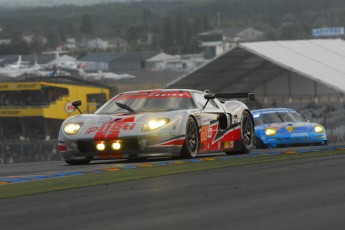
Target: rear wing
(249, 95)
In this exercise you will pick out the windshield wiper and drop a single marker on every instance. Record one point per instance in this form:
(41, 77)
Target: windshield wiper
(126, 107)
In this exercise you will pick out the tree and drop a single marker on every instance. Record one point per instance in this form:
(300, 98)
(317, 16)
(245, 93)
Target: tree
(86, 25)
(52, 37)
(146, 15)
(37, 44)
(167, 34)
(290, 28)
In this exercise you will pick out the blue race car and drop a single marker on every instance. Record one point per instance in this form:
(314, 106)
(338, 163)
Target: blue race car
(282, 127)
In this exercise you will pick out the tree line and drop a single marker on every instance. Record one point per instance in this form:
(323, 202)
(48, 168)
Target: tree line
(172, 27)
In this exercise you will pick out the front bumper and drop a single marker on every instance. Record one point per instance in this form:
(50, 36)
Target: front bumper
(130, 148)
(282, 142)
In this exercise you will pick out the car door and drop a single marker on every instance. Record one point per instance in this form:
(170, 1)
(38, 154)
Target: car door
(209, 126)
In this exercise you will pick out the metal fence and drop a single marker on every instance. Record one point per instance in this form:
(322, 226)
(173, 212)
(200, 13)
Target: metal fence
(14, 151)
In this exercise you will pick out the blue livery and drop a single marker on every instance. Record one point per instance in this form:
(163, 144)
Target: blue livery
(283, 127)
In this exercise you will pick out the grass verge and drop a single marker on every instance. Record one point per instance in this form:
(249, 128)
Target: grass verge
(72, 182)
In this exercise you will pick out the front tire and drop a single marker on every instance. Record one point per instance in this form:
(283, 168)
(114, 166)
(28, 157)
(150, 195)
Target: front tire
(192, 142)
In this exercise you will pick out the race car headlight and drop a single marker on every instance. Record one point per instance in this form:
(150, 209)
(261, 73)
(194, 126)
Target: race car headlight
(72, 128)
(155, 124)
(270, 132)
(318, 128)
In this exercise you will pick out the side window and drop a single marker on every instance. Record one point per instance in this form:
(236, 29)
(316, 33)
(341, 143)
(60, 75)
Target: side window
(201, 101)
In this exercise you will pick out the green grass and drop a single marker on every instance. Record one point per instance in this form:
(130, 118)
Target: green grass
(93, 179)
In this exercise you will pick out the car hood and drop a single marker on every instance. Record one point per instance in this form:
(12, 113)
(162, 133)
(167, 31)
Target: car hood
(122, 124)
(109, 118)
(288, 126)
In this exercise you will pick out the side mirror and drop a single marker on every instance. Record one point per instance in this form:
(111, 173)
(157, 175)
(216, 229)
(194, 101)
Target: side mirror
(210, 96)
(76, 105)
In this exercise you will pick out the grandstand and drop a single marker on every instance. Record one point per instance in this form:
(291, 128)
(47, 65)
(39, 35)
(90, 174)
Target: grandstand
(32, 110)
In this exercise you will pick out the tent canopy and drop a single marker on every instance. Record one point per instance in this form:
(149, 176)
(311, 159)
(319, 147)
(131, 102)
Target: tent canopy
(248, 66)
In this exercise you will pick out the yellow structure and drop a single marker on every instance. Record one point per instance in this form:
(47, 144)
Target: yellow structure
(50, 100)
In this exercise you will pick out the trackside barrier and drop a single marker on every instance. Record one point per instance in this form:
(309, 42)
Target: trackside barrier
(14, 151)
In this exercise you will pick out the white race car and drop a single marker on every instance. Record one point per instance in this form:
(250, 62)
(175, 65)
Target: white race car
(155, 123)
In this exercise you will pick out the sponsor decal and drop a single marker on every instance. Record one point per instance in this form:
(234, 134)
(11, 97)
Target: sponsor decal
(3, 86)
(228, 145)
(109, 128)
(183, 94)
(27, 86)
(289, 128)
(91, 130)
(20, 86)
(110, 131)
(10, 112)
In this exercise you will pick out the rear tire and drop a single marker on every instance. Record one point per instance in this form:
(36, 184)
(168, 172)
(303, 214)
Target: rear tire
(77, 162)
(260, 144)
(247, 141)
(191, 144)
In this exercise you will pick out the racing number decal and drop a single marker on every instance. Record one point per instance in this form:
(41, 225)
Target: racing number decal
(213, 139)
(203, 138)
(203, 133)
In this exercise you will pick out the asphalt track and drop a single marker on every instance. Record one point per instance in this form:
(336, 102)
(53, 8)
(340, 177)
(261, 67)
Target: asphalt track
(24, 172)
(294, 194)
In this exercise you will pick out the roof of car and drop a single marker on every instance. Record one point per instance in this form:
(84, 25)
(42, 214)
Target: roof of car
(160, 90)
(272, 110)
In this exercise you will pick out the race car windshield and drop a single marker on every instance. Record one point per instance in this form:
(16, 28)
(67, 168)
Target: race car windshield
(146, 105)
(277, 117)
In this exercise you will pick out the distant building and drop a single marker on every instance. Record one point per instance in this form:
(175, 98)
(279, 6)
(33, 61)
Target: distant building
(130, 61)
(5, 41)
(117, 43)
(97, 44)
(160, 61)
(94, 62)
(218, 41)
(37, 38)
(71, 43)
(192, 61)
(184, 63)
(115, 61)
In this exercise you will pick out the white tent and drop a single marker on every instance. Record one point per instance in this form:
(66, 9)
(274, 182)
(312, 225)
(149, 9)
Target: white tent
(304, 67)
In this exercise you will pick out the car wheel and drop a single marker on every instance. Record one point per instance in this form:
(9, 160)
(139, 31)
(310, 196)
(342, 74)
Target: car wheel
(247, 141)
(77, 162)
(191, 144)
(260, 144)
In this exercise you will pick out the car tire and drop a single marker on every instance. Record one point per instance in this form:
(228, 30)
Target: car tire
(77, 162)
(192, 141)
(260, 144)
(247, 141)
